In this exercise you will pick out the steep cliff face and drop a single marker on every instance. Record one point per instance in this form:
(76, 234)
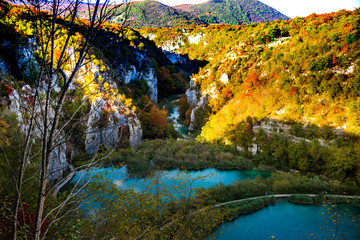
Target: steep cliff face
(170, 49)
(111, 119)
(134, 73)
(108, 127)
(17, 105)
(59, 163)
(202, 103)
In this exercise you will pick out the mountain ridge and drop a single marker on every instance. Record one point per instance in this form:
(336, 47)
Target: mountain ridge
(234, 12)
(151, 13)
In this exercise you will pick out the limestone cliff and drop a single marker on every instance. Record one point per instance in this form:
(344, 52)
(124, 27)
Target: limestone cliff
(111, 119)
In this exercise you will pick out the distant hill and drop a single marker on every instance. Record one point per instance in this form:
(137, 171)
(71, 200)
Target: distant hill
(150, 13)
(233, 12)
(154, 14)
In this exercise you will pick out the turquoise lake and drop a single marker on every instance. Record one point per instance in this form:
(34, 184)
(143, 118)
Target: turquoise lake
(209, 176)
(284, 220)
(287, 221)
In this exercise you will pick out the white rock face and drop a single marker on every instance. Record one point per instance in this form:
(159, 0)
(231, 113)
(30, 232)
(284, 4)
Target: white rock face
(195, 39)
(133, 74)
(106, 127)
(170, 48)
(192, 119)
(150, 36)
(151, 80)
(253, 148)
(59, 164)
(130, 75)
(200, 104)
(224, 78)
(278, 41)
(14, 106)
(109, 120)
(210, 91)
(349, 70)
(192, 82)
(192, 97)
(172, 45)
(135, 131)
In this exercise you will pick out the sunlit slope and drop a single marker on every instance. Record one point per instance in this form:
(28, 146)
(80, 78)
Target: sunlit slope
(303, 70)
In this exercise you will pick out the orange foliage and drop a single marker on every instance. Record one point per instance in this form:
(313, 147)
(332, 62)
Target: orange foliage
(334, 60)
(57, 54)
(344, 47)
(293, 91)
(156, 120)
(227, 93)
(3, 127)
(252, 81)
(188, 115)
(183, 106)
(153, 120)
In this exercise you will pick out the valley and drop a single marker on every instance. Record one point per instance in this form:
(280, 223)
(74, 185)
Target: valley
(178, 127)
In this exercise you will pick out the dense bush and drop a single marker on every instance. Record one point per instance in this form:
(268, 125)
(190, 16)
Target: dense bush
(235, 209)
(301, 199)
(169, 153)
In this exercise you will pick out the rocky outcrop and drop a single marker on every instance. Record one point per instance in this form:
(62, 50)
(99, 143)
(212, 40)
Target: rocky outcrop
(135, 131)
(170, 48)
(195, 39)
(108, 123)
(132, 73)
(200, 104)
(192, 120)
(224, 78)
(175, 58)
(18, 103)
(59, 164)
(108, 127)
(172, 45)
(151, 80)
(191, 95)
(109, 119)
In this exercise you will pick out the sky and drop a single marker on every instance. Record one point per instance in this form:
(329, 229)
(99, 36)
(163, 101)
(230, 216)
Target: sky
(292, 8)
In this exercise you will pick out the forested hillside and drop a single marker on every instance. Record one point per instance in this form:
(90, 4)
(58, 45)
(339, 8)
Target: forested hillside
(297, 80)
(234, 12)
(150, 13)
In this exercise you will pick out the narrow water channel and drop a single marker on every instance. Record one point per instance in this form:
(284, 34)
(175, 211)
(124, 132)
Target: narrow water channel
(174, 117)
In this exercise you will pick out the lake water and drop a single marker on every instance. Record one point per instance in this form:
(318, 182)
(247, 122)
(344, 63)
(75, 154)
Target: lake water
(287, 221)
(284, 220)
(201, 178)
